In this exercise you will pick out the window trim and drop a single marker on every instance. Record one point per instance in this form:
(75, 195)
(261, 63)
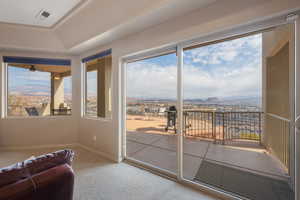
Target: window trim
(4, 114)
(5, 90)
(84, 86)
(37, 61)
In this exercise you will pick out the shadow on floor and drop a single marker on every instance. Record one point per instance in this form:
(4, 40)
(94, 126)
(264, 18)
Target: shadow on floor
(243, 183)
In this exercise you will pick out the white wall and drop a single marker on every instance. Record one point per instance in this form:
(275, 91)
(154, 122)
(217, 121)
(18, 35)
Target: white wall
(216, 17)
(24, 132)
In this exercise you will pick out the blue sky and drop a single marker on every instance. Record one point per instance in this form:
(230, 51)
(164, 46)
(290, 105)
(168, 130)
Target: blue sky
(32, 83)
(231, 68)
(91, 83)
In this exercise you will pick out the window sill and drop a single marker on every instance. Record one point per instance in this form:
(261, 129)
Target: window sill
(39, 117)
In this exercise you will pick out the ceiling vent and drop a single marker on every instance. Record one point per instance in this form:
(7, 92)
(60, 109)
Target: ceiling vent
(43, 14)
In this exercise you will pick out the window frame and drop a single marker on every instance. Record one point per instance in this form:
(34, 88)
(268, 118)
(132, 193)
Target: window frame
(4, 113)
(84, 90)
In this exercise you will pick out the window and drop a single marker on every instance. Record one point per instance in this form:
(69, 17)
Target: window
(38, 90)
(98, 87)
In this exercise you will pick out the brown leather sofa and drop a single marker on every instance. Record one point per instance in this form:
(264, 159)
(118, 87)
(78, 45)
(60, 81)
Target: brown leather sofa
(47, 177)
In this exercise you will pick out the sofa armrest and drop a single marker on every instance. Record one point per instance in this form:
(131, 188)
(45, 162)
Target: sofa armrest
(55, 183)
(22, 170)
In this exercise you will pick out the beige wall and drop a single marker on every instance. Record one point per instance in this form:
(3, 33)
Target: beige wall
(104, 87)
(95, 11)
(18, 132)
(278, 134)
(276, 94)
(45, 110)
(97, 134)
(37, 132)
(108, 89)
(58, 93)
(29, 38)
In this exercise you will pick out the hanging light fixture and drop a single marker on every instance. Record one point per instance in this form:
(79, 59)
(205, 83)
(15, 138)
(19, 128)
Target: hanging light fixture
(32, 68)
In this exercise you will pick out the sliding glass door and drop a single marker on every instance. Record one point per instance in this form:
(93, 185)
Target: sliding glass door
(222, 108)
(151, 113)
(218, 114)
(297, 110)
(237, 129)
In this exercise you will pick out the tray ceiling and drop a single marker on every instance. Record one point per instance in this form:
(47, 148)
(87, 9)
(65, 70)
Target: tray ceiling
(29, 12)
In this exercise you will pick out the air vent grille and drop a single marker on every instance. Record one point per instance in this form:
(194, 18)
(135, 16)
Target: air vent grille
(43, 14)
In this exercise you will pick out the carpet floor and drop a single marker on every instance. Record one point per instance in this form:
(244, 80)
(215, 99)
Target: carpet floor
(99, 179)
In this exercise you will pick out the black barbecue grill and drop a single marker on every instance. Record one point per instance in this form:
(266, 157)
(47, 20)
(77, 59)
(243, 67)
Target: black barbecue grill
(171, 118)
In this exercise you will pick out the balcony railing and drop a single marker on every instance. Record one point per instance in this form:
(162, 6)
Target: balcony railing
(244, 127)
(223, 126)
(277, 137)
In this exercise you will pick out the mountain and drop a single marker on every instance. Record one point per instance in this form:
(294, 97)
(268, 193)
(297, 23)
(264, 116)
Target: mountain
(233, 100)
(212, 100)
(252, 100)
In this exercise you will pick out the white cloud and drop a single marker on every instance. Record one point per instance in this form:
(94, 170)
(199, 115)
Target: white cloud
(225, 51)
(231, 68)
(151, 81)
(29, 76)
(255, 41)
(244, 81)
(154, 81)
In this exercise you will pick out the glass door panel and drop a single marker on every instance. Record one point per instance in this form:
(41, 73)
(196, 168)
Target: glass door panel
(151, 114)
(237, 112)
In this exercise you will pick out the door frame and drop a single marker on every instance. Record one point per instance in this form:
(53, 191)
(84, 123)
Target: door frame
(297, 109)
(237, 31)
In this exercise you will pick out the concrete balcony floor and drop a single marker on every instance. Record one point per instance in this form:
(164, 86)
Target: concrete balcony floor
(203, 160)
(160, 150)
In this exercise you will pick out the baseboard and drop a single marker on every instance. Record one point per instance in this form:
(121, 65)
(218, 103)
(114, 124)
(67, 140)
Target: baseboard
(101, 154)
(62, 146)
(15, 148)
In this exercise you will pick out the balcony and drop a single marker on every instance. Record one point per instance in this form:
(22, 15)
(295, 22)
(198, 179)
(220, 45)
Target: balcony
(214, 142)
